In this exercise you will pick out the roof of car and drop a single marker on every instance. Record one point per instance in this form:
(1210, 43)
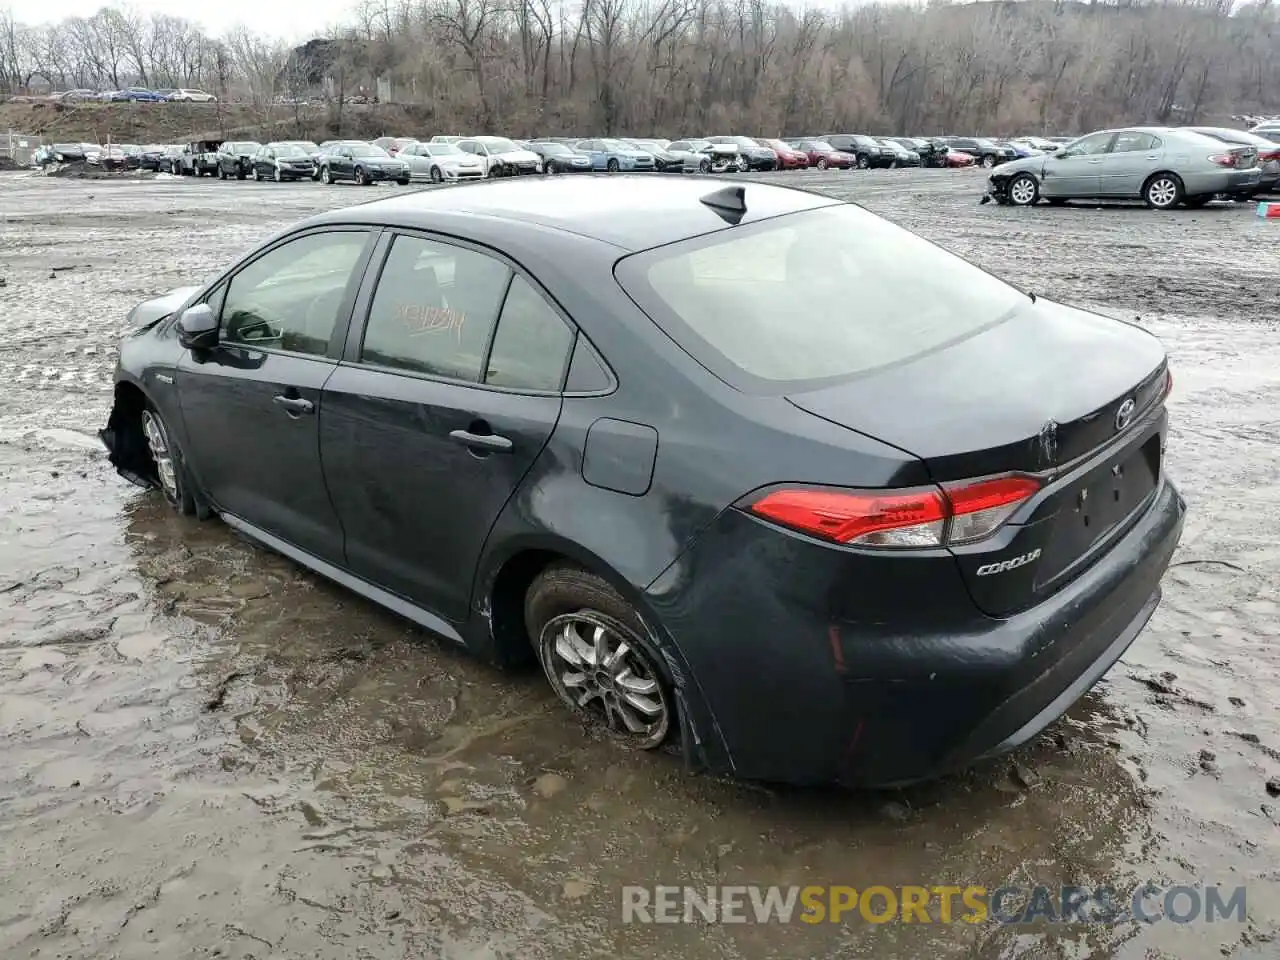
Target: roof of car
(647, 212)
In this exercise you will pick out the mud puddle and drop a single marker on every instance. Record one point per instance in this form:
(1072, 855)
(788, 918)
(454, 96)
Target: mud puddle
(205, 751)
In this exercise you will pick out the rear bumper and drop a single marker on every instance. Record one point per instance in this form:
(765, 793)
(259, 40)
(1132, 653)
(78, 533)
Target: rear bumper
(1225, 181)
(818, 665)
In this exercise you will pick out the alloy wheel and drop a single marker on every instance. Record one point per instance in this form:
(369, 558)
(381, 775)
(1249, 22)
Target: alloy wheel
(597, 665)
(436, 175)
(1162, 192)
(1022, 191)
(161, 452)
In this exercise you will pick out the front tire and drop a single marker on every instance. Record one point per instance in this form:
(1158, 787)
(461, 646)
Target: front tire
(822, 163)
(598, 656)
(360, 176)
(171, 468)
(704, 166)
(325, 176)
(437, 176)
(1163, 191)
(863, 163)
(612, 166)
(1023, 191)
(989, 161)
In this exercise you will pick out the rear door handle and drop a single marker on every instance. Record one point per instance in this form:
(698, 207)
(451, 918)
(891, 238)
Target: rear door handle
(1153, 157)
(294, 406)
(482, 441)
(1095, 161)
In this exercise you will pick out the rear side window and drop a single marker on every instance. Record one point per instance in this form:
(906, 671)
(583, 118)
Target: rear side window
(434, 309)
(816, 295)
(531, 348)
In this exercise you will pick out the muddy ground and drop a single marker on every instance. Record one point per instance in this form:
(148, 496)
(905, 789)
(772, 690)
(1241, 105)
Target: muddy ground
(207, 752)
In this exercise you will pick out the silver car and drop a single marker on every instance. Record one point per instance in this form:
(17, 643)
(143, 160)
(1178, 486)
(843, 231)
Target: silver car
(1163, 166)
(1268, 152)
(440, 163)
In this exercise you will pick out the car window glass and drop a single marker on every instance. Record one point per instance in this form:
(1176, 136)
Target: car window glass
(531, 345)
(772, 299)
(1131, 141)
(289, 298)
(1089, 146)
(434, 309)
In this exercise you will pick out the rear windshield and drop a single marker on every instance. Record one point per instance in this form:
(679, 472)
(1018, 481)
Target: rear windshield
(817, 295)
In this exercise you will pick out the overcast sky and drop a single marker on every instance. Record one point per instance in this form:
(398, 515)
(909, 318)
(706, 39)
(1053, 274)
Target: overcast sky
(278, 18)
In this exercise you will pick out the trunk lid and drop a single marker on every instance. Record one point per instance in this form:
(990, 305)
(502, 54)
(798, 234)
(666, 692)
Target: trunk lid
(1072, 396)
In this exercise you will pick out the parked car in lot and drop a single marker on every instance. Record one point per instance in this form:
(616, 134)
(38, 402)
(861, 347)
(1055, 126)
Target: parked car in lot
(1268, 128)
(1020, 150)
(188, 95)
(114, 158)
(393, 145)
(440, 162)
(136, 95)
(67, 152)
(931, 152)
(1268, 154)
(558, 158)
(614, 156)
(957, 158)
(757, 157)
(362, 163)
(173, 159)
(235, 158)
(500, 443)
(823, 155)
(664, 161)
(1163, 166)
(501, 157)
(205, 158)
(282, 161)
(986, 152)
(789, 157)
(901, 156)
(150, 156)
(1043, 144)
(703, 156)
(867, 151)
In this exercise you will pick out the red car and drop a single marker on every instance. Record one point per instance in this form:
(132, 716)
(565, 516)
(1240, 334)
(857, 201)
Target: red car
(789, 158)
(954, 158)
(823, 155)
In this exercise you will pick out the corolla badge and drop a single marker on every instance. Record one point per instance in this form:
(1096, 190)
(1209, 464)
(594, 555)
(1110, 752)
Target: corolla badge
(1124, 416)
(1005, 565)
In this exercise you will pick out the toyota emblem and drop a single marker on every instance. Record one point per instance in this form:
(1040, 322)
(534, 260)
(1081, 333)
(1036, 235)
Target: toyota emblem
(1125, 414)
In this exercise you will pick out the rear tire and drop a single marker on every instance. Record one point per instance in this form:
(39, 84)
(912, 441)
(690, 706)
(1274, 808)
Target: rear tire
(599, 656)
(1163, 191)
(989, 161)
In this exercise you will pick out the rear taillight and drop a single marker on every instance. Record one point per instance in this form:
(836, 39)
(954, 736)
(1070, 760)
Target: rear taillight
(1270, 155)
(1223, 159)
(921, 517)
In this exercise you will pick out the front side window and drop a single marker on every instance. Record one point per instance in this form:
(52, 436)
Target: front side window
(288, 299)
(532, 344)
(434, 309)
(820, 294)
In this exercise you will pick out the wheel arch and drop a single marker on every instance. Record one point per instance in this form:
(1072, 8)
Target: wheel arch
(1162, 173)
(499, 599)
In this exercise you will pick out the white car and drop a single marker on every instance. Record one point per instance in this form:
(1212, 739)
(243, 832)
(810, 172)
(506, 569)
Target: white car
(192, 96)
(441, 163)
(501, 157)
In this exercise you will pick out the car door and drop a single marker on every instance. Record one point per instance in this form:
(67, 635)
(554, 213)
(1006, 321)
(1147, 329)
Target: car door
(1074, 171)
(448, 391)
(595, 150)
(1134, 156)
(264, 162)
(250, 406)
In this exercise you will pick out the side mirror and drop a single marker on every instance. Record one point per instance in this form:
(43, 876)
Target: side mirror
(198, 328)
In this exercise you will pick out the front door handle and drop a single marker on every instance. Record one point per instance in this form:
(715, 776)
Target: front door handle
(1095, 161)
(489, 442)
(294, 406)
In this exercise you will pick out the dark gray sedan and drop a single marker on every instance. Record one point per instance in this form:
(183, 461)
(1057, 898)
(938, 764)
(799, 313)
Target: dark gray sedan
(629, 430)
